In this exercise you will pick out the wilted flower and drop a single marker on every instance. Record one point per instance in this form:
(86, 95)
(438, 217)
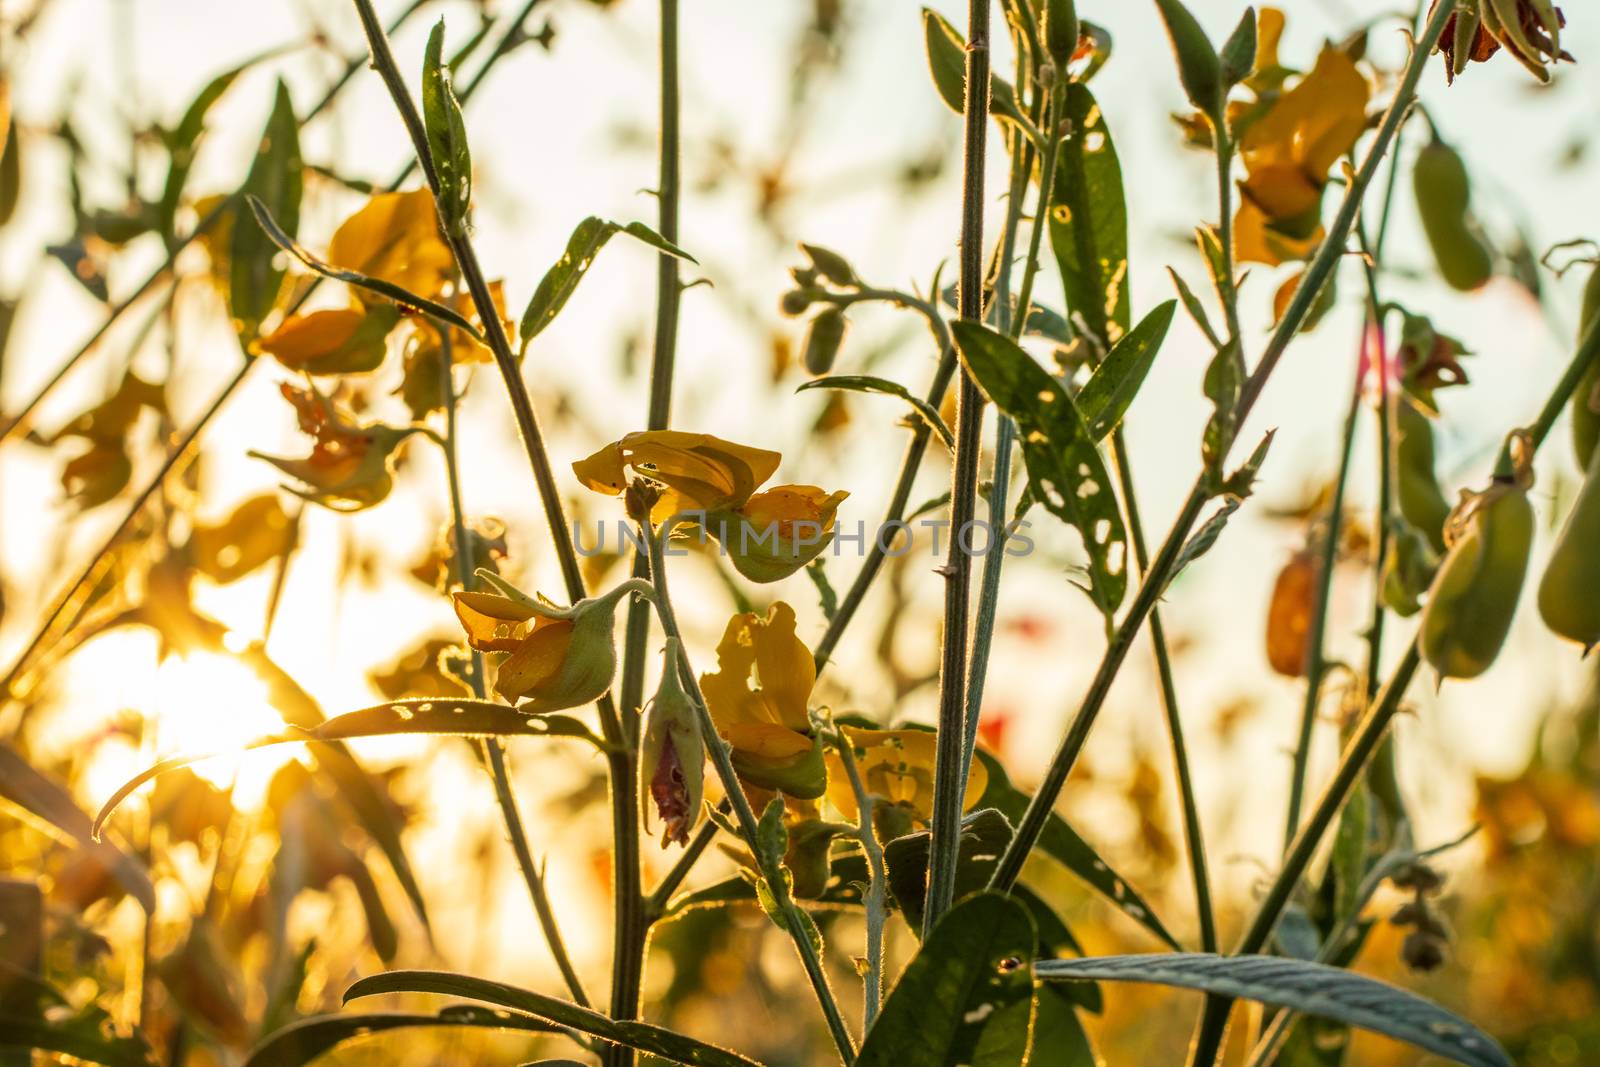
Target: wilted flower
(896, 767)
(672, 755)
(558, 657)
(348, 340)
(758, 698)
(1529, 29)
(777, 531)
(348, 468)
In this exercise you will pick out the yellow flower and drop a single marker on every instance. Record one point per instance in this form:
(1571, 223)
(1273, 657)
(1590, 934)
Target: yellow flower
(700, 472)
(1288, 151)
(348, 340)
(558, 657)
(464, 348)
(758, 698)
(348, 468)
(777, 531)
(896, 766)
(396, 237)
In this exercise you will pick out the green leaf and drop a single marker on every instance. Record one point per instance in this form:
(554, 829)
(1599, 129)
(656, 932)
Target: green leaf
(45, 798)
(1238, 52)
(866, 383)
(181, 142)
(1199, 68)
(966, 997)
(399, 295)
(947, 62)
(36, 1016)
(1061, 843)
(1056, 1027)
(1064, 467)
(1089, 223)
(827, 596)
(274, 182)
(985, 833)
(453, 717)
(847, 874)
(561, 280)
(447, 135)
(303, 1041)
(645, 1037)
(1105, 397)
(1196, 309)
(1223, 386)
(1312, 988)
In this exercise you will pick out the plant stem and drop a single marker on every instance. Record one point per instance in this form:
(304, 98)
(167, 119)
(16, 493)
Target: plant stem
(658, 901)
(8, 686)
(631, 915)
(493, 749)
(875, 898)
(796, 923)
(1363, 743)
(1161, 571)
(1316, 639)
(945, 823)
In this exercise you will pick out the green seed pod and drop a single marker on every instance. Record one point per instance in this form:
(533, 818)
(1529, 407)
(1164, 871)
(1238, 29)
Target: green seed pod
(808, 859)
(831, 265)
(1408, 568)
(823, 339)
(1444, 200)
(1061, 32)
(1586, 398)
(1421, 501)
(1474, 596)
(1569, 594)
(1199, 68)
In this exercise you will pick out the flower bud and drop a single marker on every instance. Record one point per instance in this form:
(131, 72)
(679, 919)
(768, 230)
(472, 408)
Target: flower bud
(672, 756)
(1474, 595)
(831, 265)
(777, 531)
(1199, 69)
(1060, 32)
(824, 337)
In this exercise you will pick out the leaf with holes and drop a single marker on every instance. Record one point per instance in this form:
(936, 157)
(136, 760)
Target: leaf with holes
(447, 134)
(1064, 467)
(303, 1041)
(459, 718)
(645, 1037)
(561, 280)
(866, 383)
(1105, 397)
(1089, 223)
(274, 182)
(967, 995)
(1312, 988)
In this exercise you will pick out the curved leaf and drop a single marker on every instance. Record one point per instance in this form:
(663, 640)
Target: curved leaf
(668, 1044)
(866, 383)
(274, 182)
(1105, 397)
(354, 277)
(947, 62)
(1089, 222)
(303, 1041)
(967, 995)
(1311, 988)
(1064, 466)
(447, 133)
(561, 280)
(460, 718)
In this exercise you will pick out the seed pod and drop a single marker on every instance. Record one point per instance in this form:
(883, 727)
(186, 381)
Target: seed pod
(1444, 200)
(1294, 603)
(672, 756)
(1421, 501)
(1586, 398)
(1569, 594)
(823, 339)
(1199, 69)
(1408, 568)
(1061, 32)
(796, 301)
(831, 265)
(1474, 596)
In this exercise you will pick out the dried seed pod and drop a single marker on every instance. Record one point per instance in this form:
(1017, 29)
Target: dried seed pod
(1474, 595)
(1569, 593)
(1444, 200)
(1294, 604)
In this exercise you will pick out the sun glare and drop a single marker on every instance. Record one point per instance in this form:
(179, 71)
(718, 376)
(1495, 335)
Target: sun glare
(205, 702)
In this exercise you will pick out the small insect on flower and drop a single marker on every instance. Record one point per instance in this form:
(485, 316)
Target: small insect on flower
(348, 468)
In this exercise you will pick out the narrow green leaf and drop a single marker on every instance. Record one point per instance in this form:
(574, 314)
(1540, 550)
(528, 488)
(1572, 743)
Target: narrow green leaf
(1062, 843)
(1238, 52)
(1196, 309)
(91, 1044)
(274, 182)
(181, 143)
(561, 280)
(1056, 1027)
(1089, 223)
(45, 798)
(1064, 467)
(947, 62)
(645, 1037)
(1105, 397)
(303, 1041)
(1223, 385)
(966, 997)
(1312, 988)
(447, 134)
(276, 234)
(1199, 68)
(866, 383)
(454, 717)
(827, 596)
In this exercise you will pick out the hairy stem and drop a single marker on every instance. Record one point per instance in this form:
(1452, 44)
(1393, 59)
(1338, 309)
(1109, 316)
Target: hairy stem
(875, 899)
(945, 824)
